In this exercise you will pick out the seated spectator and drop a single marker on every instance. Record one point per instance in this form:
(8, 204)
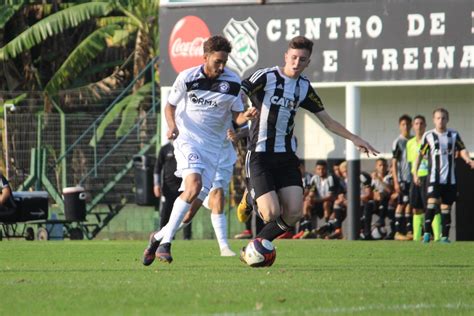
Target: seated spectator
(319, 201)
(383, 188)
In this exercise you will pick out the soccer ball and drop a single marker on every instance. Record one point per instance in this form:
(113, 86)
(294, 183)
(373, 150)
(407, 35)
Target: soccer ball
(260, 253)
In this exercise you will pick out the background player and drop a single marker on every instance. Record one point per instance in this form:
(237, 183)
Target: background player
(441, 144)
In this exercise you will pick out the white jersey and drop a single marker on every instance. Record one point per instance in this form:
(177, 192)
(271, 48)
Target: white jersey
(204, 106)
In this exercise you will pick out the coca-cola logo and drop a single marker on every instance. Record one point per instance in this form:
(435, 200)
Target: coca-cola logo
(185, 45)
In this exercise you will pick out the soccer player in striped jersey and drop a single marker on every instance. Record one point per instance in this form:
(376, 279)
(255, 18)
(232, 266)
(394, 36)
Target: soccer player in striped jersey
(201, 103)
(440, 145)
(401, 180)
(278, 92)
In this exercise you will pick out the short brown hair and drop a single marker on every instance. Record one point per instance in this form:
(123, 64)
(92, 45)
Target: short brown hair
(301, 42)
(217, 43)
(442, 110)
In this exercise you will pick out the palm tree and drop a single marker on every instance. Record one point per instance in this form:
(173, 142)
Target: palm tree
(118, 23)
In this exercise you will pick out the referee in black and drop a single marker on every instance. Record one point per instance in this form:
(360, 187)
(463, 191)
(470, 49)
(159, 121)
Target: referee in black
(166, 185)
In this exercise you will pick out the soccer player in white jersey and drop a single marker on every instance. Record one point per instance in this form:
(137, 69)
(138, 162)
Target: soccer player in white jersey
(214, 201)
(441, 144)
(277, 93)
(202, 101)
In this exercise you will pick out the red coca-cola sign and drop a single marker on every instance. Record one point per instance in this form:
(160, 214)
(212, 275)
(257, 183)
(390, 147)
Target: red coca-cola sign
(185, 45)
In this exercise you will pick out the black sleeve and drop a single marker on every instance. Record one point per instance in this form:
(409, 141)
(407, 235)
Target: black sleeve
(312, 102)
(459, 143)
(255, 83)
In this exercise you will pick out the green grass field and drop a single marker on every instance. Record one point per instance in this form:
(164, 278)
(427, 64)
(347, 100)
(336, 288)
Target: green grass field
(309, 277)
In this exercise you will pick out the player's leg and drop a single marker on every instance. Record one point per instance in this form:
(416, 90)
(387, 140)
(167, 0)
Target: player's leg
(219, 220)
(155, 237)
(186, 221)
(448, 197)
(192, 188)
(400, 214)
(391, 207)
(291, 199)
(431, 209)
(418, 210)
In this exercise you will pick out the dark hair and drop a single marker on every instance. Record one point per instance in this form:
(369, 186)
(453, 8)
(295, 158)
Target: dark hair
(382, 160)
(419, 117)
(301, 162)
(321, 163)
(405, 117)
(217, 43)
(442, 110)
(301, 42)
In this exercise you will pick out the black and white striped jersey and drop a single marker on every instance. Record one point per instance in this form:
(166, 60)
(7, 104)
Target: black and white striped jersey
(399, 151)
(277, 98)
(441, 148)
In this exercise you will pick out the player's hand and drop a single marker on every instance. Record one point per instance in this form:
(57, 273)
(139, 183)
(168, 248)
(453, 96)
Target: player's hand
(365, 147)
(157, 191)
(231, 135)
(471, 163)
(251, 113)
(172, 133)
(416, 180)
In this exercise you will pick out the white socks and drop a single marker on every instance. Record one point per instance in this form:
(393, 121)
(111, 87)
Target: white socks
(180, 208)
(219, 223)
(159, 235)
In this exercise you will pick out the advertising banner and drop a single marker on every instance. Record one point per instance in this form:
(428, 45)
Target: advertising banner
(353, 41)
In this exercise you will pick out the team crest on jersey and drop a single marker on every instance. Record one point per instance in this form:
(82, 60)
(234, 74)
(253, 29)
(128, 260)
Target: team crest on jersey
(243, 36)
(224, 87)
(193, 157)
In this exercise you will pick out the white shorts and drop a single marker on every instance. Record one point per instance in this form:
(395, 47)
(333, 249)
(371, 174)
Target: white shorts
(192, 158)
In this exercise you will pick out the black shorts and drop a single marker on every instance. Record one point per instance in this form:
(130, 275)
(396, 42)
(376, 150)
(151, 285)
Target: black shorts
(273, 171)
(446, 192)
(404, 196)
(418, 194)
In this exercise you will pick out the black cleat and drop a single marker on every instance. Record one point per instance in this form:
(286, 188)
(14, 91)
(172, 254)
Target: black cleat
(163, 253)
(149, 253)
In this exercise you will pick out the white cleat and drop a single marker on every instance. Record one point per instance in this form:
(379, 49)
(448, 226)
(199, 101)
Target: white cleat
(226, 252)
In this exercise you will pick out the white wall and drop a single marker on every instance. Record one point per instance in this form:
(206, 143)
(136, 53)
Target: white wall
(381, 107)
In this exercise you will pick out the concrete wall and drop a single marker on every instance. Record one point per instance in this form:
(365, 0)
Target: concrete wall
(381, 107)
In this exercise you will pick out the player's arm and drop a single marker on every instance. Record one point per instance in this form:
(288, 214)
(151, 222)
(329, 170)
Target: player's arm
(465, 156)
(177, 93)
(313, 103)
(170, 112)
(463, 152)
(394, 168)
(241, 118)
(338, 129)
